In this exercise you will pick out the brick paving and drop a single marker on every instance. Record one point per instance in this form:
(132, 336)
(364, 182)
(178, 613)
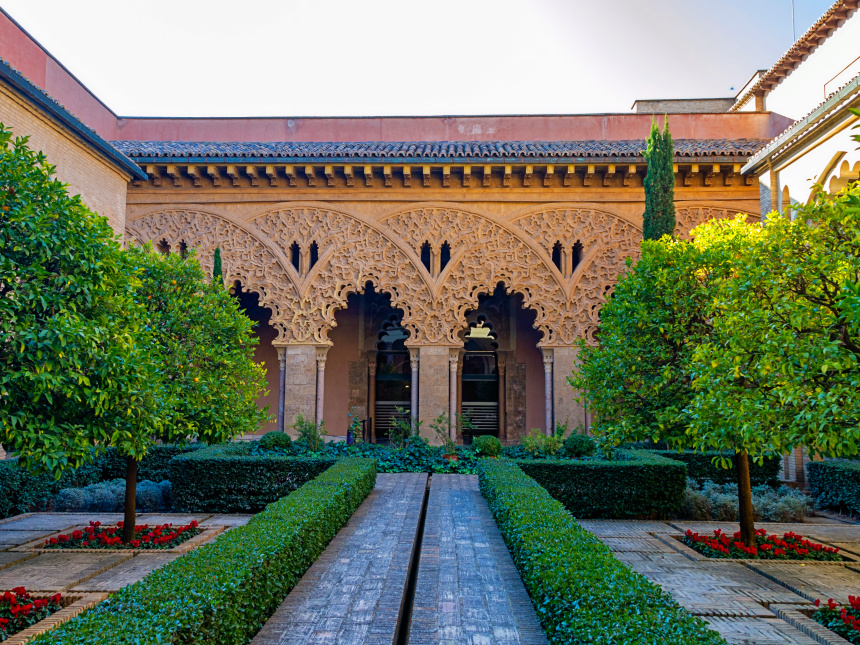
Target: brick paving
(468, 589)
(751, 602)
(353, 593)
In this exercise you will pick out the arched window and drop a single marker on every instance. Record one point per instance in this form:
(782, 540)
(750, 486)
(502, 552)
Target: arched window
(425, 256)
(556, 256)
(577, 254)
(295, 255)
(315, 255)
(444, 256)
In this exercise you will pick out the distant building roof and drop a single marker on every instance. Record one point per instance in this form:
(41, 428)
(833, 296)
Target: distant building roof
(394, 152)
(45, 104)
(813, 37)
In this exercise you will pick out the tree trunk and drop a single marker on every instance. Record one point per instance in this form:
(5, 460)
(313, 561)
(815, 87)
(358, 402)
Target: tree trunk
(745, 506)
(130, 499)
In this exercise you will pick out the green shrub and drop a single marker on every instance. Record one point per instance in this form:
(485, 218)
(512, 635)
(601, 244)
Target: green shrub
(310, 432)
(835, 484)
(634, 484)
(223, 592)
(229, 479)
(701, 467)
(538, 444)
(719, 502)
(154, 467)
(578, 445)
(276, 440)
(109, 497)
(22, 491)
(487, 445)
(581, 592)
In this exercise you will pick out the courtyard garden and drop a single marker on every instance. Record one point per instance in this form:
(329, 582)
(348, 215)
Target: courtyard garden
(128, 378)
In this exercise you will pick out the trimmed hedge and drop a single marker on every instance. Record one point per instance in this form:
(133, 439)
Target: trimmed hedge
(22, 491)
(228, 479)
(634, 484)
(582, 594)
(223, 592)
(835, 483)
(700, 466)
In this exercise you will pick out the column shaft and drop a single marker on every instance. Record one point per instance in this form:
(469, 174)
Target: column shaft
(453, 363)
(413, 387)
(371, 398)
(547, 370)
(320, 356)
(282, 382)
(503, 426)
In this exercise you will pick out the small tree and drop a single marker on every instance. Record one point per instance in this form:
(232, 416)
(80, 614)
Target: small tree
(204, 347)
(639, 379)
(71, 367)
(782, 366)
(217, 272)
(659, 217)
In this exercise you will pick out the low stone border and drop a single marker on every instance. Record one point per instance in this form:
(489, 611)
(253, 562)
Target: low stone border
(799, 617)
(77, 604)
(35, 546)
(15, 517)
(674, 541)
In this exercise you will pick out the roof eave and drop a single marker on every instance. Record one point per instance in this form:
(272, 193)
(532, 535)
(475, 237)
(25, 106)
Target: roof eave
(24, 88)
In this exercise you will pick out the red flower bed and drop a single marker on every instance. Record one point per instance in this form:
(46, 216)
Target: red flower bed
(19, 611)
(768, 547)
(841, 620)
(164, 536)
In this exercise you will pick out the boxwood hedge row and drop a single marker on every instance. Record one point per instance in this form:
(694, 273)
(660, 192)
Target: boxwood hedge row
(223, 592)
(228, 479)
(582, 594)
(700, 466)
(835, 483)
(634, 484)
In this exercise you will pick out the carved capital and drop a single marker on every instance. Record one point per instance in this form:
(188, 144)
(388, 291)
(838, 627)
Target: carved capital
(371, 367)
(282, 356)
(547, 360)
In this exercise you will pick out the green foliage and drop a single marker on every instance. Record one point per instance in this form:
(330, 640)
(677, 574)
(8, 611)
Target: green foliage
(73, 373)
(538, 444)
(404, 427)
(155, 466)
(781, 368)
(276, 440)
(229, 479)
(217, 273)
(835, 484)
(634, 484)
(223, 592)
(310, 433)
(582, 594)
(638, 380)
(659, 217)
(487, 445)
(702, 466)
(719, 502)
(441, 426)
(109, 497)
(578, 445)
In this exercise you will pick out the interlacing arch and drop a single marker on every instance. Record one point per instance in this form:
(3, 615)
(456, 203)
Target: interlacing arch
(305, 258)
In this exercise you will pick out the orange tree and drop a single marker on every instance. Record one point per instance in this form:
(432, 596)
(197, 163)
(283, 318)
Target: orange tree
(203, 346)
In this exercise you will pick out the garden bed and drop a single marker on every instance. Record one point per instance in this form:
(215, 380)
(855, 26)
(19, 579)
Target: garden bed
(790, 546)
(96, 537)
(19, 610)
(843, 620)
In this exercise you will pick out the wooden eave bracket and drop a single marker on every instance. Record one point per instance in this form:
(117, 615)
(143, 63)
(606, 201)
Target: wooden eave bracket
(175, 173)
(272, 174)
(194, 173)
(214, 175)
(290, 171)
(153, 173)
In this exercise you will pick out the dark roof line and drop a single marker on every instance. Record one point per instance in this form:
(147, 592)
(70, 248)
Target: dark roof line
(397, 152)
(39, 99)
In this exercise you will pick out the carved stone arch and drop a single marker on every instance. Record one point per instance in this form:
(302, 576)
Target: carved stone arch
(485, 251)
(689, 215)
(354, 250)
(247, 257)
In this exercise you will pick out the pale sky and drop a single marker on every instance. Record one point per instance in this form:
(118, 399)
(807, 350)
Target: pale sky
(401, 57)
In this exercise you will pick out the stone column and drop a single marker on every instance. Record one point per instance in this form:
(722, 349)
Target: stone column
(299, 382)
(547, 373)
(433, 387)
(503, 426)
(320, 357)
(565, 408)
(413, 387)
(371, 396)
(282, 361)
(453, 365)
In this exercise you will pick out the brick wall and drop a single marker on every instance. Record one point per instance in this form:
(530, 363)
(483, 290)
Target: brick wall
(101, 187)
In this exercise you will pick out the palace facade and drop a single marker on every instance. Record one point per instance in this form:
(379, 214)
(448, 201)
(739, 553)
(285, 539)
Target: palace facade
(434, 264)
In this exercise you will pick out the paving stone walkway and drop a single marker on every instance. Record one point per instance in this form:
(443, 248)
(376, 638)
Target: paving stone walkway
(354, 592)
(749, 602)
(468, 590)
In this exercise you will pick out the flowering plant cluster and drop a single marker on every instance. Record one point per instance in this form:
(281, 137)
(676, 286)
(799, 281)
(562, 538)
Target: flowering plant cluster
(163, 536)
(19, 611)
(841, 620)
(790, 546)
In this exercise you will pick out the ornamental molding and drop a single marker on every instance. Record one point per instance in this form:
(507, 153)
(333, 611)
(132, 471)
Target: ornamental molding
(306, 258)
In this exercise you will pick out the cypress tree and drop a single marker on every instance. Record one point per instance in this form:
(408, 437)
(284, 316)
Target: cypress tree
(217, 273)
(659, 217)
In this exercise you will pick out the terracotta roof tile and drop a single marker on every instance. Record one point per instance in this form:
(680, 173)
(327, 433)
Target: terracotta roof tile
(428, 151)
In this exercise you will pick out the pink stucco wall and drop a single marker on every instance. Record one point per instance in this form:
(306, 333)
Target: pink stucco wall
(528, 352)
(266, 354)
(344, 350)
